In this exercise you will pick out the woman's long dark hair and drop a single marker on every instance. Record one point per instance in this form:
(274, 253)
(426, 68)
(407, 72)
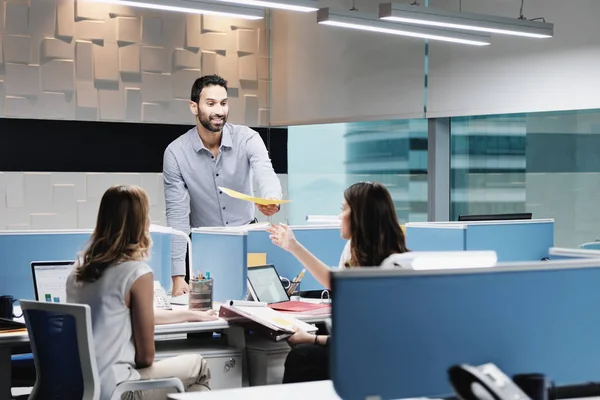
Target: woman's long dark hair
(121, 232)
(375, 230)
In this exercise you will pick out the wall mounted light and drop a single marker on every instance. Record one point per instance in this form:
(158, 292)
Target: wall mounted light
(193, 7)
(435, 17)
(366, 22)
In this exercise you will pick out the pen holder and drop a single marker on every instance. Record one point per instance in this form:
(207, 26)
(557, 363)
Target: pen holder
(201, 294)
(294, 289)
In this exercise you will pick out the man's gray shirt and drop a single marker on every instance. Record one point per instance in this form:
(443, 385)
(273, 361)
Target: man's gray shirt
(192, 175)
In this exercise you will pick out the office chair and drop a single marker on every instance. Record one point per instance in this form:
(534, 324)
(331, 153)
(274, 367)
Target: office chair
(65, 359)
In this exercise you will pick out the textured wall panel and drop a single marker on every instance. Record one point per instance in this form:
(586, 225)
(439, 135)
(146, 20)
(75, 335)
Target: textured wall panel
(248, 68)
(22, 80)
(247, 41)
(151, 31)
(182, 83)
(87, 95)
(71, 199)
(129, 59)
(65, 22)
(49, 48)
(192, 31)
(16, 20)
(186, 59)
(58, 49)
(84, 68)
(209, 63)
(106, 62)
(154, 59)
(17, 49)
(129, 30)
(58, 76)
(251, 109)
(112, 105)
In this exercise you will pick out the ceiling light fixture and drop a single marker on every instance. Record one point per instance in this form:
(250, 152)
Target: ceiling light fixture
(435, 17)
(366, 22)
(193, 7)
(291, 5)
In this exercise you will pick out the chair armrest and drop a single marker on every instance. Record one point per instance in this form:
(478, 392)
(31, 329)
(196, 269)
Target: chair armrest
(147, 384)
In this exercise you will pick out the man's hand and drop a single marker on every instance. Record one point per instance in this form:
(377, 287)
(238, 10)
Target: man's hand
(179, 286)
(270, 209)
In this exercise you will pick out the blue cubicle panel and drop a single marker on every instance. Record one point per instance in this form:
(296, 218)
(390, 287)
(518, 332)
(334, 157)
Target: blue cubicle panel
(18, 250)
(395, 333)
(224, 255)
(527, 240)
(324, 242)
(435, 238)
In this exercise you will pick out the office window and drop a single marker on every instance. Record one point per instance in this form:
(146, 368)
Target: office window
(323, 160)
(543, 163)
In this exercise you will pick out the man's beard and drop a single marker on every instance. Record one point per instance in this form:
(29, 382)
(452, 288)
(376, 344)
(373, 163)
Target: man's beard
(209, 125)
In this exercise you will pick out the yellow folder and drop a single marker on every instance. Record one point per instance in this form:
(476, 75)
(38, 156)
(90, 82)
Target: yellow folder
(255, 200)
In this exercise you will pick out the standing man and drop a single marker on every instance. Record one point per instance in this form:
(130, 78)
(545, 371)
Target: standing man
(212, 154)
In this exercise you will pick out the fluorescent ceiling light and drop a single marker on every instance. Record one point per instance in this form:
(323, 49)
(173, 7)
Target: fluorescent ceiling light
(366, 22)
(193, 7)
(292, 5)
(412, 14)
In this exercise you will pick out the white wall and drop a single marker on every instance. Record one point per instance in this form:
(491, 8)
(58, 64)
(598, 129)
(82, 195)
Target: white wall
(518, 74)
(330, 74)
(70, 200)
(69, 59)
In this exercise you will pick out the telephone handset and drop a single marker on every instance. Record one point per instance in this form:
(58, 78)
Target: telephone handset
(483, 382)
(161, 300)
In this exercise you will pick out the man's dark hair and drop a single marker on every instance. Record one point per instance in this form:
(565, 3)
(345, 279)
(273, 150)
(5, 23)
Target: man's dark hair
(204, 81)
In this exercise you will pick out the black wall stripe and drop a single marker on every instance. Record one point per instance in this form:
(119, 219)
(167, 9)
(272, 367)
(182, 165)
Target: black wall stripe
(89, 146)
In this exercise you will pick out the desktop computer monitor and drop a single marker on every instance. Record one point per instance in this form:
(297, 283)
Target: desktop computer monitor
(50, 280)
(494, 217)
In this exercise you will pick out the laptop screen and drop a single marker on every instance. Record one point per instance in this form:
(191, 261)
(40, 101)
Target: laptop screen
(50, 280)
(265, 285)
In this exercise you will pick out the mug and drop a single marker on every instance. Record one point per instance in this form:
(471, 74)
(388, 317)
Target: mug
(536, 386)
(7, 307)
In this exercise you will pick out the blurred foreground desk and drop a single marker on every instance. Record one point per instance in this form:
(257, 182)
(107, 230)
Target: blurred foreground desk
(322, 390)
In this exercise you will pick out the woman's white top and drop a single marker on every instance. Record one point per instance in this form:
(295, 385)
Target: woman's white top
(111, 321)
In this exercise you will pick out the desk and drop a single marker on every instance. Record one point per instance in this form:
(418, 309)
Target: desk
(322, 390)
(235, 338)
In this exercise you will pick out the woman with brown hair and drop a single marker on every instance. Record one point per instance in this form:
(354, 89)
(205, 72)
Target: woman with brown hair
(369, 222)
(111, 276)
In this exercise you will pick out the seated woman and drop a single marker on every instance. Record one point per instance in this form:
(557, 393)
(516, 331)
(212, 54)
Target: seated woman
(370, 224)
(113, 279)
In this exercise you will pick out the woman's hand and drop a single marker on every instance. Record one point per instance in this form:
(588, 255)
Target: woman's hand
(301, 337)
(201, 316)
(281, 235)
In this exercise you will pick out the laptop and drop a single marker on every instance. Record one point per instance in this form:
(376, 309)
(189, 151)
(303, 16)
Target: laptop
(264, 285)
(50, 280)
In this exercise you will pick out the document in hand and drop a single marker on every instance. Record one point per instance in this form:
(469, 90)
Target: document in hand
(255, 200)
(257, 315)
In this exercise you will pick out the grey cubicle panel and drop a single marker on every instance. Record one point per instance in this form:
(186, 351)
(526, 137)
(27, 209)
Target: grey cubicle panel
(396, 332)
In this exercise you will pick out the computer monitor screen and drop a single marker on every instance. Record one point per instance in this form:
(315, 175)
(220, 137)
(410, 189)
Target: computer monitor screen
(50, 280)
(494, 217)
(265, 285)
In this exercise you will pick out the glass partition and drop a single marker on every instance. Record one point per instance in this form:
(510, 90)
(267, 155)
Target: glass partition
(543, 163)
(323, 160)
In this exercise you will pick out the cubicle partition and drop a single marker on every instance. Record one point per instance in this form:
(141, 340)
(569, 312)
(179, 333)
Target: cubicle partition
(522, 240)
(408, 327)
(223, 253)
(561, 253)
(19, 248)
(323, 241)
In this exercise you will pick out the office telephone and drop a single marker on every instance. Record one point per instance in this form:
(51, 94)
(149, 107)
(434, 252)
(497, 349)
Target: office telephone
(483, 382)
(161, 300)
